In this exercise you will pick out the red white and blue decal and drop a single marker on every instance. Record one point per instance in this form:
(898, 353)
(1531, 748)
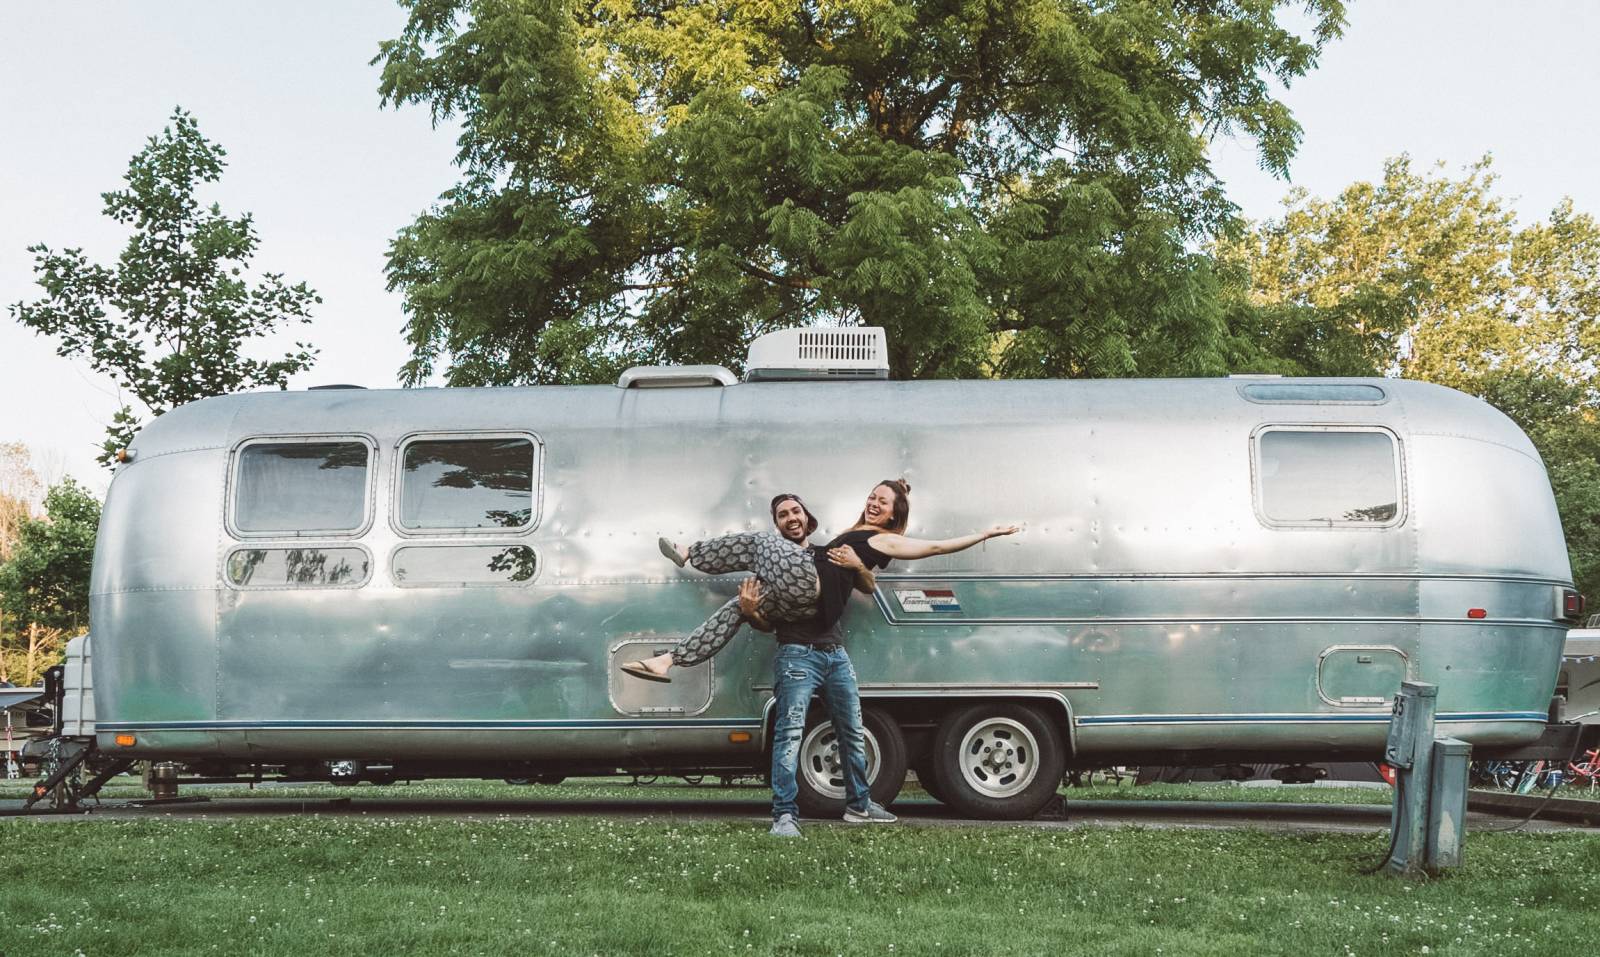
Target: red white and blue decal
(923, 600)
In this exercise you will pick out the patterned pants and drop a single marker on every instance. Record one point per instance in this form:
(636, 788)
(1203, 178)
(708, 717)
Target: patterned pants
(789, 587)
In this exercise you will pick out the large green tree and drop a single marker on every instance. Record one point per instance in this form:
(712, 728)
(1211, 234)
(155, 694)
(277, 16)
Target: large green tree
(169, 321)
(1430, 276)
(1419, 273)
(1011, 187)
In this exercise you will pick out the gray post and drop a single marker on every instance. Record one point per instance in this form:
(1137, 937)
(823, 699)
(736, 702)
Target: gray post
(1447, 804)
(1410, 752)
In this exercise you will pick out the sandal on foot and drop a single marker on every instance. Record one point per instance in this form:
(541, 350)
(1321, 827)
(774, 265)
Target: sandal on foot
(669, 548)
(638, 670)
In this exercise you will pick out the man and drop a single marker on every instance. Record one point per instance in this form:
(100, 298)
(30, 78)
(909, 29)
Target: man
(811, 658)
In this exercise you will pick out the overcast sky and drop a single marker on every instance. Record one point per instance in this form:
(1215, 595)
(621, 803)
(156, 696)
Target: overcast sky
(286, 88)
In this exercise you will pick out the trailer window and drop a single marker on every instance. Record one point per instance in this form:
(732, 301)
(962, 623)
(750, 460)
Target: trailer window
(297, 567)
(467, 484)
(1328, 476)
(301, 487)
(1314, 393)
(418, 565)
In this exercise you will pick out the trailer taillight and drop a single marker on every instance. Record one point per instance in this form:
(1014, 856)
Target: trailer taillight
(1477, 613)
(1572, 605)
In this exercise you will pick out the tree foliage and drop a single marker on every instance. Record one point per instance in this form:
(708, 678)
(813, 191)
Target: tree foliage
(169, 320)
(21, 491)
(44, 582)
(1431, 277)
(1421, 274)
(46, 579)
(1011, 187)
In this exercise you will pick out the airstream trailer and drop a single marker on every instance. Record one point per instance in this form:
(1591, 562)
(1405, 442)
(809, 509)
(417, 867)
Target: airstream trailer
(436, 582)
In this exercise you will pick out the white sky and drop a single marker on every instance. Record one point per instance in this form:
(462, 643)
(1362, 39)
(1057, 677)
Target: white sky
(286, 89)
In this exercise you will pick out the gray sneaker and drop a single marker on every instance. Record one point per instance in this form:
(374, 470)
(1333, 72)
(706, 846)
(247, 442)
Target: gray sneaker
(785, 826)
(874, 814)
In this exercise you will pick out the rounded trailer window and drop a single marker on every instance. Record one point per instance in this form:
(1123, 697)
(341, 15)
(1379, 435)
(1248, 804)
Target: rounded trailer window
(423, 565)
(1321, 476)
(455, 484)
(298, 567)
(301, 487)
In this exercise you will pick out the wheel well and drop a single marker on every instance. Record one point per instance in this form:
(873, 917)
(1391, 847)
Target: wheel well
(918, 716)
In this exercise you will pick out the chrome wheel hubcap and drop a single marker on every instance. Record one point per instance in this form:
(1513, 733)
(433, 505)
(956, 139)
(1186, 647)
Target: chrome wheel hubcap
(999, 758)
(823, 767)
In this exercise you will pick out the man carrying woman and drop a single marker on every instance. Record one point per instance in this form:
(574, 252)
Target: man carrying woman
(801, 592)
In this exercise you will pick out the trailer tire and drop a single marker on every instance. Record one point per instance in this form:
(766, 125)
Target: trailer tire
(997, 761)
(819, 766)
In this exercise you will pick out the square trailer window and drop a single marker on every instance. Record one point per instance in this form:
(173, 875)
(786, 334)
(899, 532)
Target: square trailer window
(292, 488)
(1328, 477)
(462, 565)
(456, 484)
(298, 567)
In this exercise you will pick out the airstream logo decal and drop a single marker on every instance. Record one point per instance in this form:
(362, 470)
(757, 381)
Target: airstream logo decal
(927, 599)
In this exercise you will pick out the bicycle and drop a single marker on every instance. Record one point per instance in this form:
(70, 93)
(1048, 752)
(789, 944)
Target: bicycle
(1586, 771)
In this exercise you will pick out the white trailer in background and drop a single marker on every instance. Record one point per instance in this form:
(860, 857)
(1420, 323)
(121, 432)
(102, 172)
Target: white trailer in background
(1579, 680)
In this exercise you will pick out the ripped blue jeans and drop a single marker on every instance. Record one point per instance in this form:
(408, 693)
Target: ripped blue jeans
(798, 671)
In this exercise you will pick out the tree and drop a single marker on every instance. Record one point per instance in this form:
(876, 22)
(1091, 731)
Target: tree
(1564, 424)
(168, 322)
(1011, 187)
(1419, 274)
(21, 492)
(1430, 277)
(44, 585)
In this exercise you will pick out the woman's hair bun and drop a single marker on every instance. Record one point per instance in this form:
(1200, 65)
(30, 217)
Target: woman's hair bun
(898, 484)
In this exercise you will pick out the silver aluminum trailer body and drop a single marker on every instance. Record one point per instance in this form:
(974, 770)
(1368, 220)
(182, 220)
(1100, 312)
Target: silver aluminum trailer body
(1158, 602)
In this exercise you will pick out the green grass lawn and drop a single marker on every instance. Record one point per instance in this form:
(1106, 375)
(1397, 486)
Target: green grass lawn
(673, 789)
(501, 885)
(128, 787)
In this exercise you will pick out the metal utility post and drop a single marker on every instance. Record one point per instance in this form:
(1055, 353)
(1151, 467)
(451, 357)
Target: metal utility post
(1447, 805)
(1410, 752)
(1430, 796)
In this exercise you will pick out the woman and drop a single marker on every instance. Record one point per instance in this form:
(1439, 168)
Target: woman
(801, 581)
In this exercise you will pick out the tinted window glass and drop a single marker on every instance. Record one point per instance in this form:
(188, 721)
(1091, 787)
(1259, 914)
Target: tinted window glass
(464, 564)
(1313, 393)
(467, 483)
(288, 567)
(1328, 477)
(301, 486)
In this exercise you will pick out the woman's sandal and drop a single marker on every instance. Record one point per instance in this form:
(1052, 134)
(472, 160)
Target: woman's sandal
(669, 548)
(638, 670)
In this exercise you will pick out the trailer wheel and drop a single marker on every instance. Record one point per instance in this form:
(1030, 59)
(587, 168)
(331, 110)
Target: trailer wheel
(997, 761)
(820, 774)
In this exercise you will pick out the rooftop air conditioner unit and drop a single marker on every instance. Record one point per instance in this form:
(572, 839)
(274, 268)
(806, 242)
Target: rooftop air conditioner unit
(790, 354)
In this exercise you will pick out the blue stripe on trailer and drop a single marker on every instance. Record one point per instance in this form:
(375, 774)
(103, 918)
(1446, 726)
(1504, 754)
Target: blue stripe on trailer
(1366, 718)
(287, 725)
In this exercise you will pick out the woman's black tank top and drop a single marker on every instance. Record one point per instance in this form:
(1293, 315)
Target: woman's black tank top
(837, 581)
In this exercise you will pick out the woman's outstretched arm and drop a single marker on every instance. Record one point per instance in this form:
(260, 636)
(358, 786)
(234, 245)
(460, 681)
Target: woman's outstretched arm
(910, 549)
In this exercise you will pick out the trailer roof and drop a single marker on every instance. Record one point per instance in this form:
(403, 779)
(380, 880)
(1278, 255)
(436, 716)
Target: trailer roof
(1410, 408)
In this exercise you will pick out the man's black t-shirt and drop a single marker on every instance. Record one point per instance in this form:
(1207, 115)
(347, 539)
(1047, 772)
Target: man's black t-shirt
(837, 581)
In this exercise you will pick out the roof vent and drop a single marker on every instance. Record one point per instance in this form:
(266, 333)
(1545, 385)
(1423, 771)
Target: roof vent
(674, 377)
(790, 354)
